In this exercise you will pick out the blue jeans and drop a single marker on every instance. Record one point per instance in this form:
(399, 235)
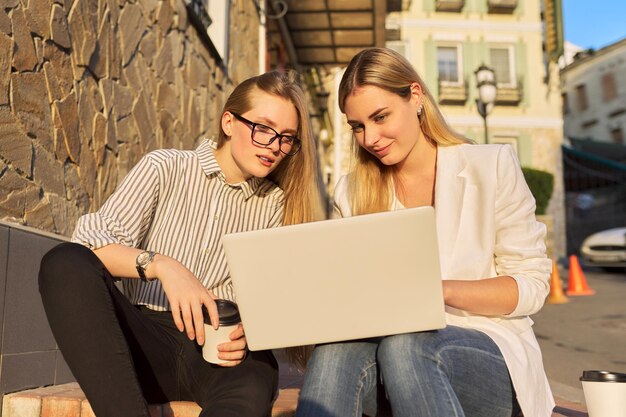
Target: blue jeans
(445, 373)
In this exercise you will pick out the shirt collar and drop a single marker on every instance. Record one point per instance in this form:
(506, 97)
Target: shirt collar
(212, 168)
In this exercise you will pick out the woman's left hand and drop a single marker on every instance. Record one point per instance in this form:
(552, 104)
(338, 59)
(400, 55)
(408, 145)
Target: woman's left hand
(234, 351)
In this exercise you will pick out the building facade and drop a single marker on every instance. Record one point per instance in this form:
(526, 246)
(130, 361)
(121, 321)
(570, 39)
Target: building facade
(448, 40)
(594, 94)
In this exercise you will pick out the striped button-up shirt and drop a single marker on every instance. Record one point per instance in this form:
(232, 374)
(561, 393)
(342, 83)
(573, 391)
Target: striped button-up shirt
(178, 203)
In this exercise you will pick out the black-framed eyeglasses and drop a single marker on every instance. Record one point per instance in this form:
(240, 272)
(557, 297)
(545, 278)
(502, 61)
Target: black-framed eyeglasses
(265, 135)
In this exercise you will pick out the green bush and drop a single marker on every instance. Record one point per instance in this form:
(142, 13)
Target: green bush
(541, 184)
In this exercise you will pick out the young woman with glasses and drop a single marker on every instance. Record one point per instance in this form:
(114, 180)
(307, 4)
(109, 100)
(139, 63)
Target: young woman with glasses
(486, 362)
(161, 229)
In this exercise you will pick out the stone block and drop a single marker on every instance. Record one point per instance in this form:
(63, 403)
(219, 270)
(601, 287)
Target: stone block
(60, 150)
(29, 98)
(60, 67)
(38, 15)
(165, 17)
(107, 176)
(5, 23)
(145, 119)
(167, 99)
(10, 4)
(111, 135)
(99, 135)
(99, 61)
(87, 173)
(52, 83)
(64, 214)
(132, 26)
(48, 172)
(123, 98)
(86, 112)
(164, 65)
(6, 56)
(60, 407)
(17, 194)
(40, 216)
(24, 56)
(68, 112)
(181, 409)
(16, 405)
(59, 32)
(127, 130)
(86, 410)
(148, 45)
(106, 88)
(15, 146)
(83, 24)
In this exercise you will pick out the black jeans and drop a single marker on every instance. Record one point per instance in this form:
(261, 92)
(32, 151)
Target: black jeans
(124, 356)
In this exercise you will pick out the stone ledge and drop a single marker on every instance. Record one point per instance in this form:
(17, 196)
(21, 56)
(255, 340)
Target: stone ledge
(68, 400)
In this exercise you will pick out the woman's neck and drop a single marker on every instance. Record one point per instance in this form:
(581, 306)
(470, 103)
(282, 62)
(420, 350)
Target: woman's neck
(414, 178)
(420, 162)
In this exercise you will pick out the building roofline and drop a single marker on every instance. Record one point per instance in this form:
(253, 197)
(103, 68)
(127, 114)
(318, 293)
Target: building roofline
(593, 54)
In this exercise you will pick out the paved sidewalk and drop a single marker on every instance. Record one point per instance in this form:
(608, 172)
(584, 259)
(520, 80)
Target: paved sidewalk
(587, 333)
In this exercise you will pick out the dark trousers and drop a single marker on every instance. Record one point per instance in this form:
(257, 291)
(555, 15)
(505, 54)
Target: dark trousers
(125, 356)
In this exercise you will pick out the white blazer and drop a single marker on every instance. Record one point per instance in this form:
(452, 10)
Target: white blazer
(486, 227)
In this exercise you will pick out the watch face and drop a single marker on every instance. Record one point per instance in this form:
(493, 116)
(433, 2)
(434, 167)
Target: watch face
(143, 258)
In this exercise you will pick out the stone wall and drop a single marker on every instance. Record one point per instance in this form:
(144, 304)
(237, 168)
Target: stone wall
(88, 86)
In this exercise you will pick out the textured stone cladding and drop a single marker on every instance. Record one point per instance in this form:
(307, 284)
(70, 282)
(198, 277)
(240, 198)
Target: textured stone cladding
(89, 86)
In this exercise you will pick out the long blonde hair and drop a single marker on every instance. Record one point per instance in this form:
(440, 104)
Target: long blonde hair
(297, 175)
(370, 184)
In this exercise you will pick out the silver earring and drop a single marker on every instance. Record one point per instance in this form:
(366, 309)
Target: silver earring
(419, 110)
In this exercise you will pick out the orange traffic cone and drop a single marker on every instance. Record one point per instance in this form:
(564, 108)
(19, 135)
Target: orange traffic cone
(577, 283)
(556, 295)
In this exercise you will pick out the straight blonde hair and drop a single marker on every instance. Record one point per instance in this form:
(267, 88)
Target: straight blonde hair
(370, 184)
(297, 175)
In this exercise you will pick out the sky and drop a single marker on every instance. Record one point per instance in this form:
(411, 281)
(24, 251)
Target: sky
(594, 24)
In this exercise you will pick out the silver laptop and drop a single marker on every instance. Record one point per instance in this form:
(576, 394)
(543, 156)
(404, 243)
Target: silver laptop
(342, 279)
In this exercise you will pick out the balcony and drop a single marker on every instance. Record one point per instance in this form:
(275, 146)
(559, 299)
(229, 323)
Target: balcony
(509, 95)
(449, 5)
(452, 94)
(501, 6)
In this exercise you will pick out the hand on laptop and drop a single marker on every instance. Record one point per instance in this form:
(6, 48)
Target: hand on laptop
(235, 350)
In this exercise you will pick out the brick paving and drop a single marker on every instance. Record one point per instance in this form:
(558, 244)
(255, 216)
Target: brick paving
(68, 400)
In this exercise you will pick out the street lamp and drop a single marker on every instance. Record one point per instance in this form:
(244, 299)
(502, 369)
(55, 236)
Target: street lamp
(486, 84)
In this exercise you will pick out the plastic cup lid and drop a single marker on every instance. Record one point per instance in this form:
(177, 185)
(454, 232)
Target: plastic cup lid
(227, 310)
(603, 376)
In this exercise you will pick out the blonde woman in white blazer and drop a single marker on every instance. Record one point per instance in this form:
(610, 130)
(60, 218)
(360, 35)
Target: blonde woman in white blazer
(486, 362)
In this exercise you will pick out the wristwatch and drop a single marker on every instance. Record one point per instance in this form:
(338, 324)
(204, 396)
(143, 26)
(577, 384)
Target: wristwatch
(142, 262)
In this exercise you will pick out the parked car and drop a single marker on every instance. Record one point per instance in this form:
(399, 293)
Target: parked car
(606, 248)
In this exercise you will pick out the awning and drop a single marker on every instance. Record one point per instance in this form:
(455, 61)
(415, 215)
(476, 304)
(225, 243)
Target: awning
(331, 32)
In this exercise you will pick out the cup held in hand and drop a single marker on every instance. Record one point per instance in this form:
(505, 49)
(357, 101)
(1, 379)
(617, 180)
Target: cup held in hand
(229, 319)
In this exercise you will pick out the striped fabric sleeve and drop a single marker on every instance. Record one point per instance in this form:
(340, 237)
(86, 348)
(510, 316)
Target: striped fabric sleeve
(126, 215)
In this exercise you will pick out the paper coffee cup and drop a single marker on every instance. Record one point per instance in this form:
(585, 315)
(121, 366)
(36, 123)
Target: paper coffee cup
(605, 393)
(229, 319)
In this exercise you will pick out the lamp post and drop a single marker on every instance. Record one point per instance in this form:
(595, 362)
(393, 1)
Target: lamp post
(486, 84)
